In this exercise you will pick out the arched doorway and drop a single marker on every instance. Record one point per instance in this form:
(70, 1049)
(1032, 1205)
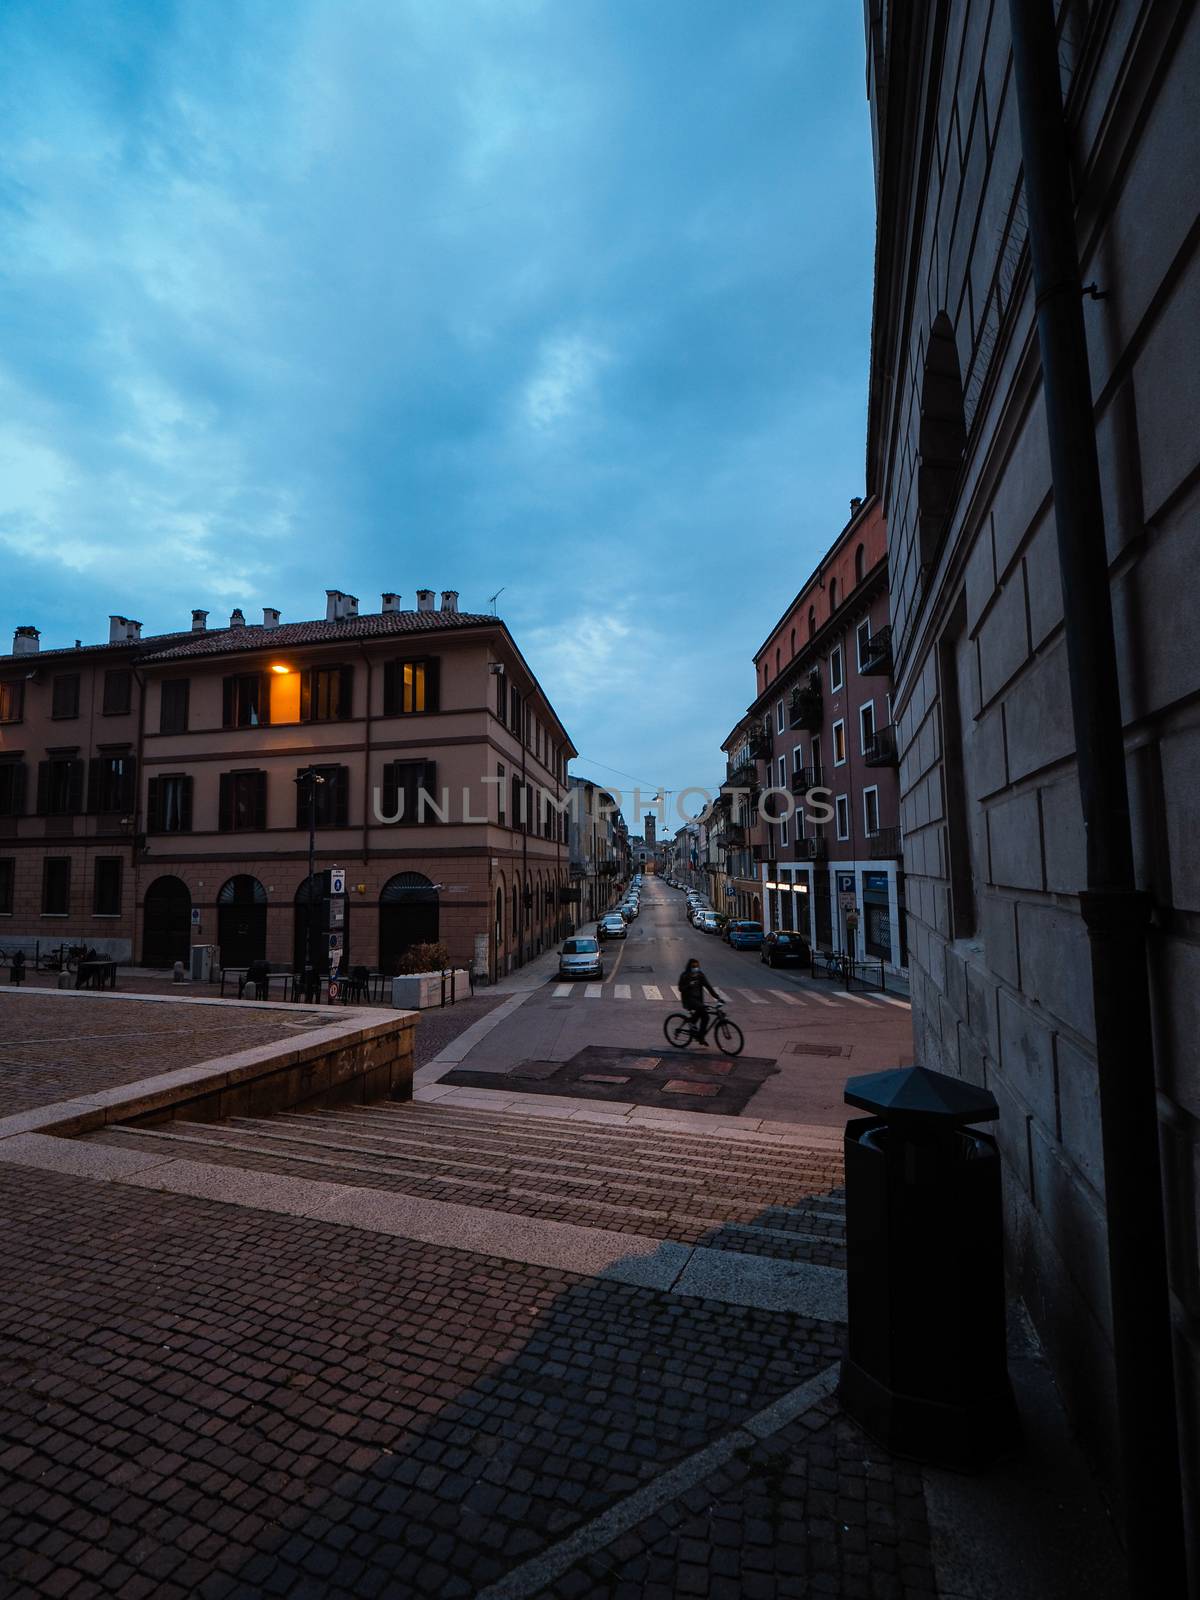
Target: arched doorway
(166, 923)
(408, 915)
(242, 921)
(321, 914)
(942, 440)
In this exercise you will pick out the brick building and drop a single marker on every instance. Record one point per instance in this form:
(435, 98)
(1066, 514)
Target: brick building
(149, 793)
(1023, 153)
(598, 849)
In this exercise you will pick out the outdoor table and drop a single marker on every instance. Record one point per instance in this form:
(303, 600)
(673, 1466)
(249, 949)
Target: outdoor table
(99, 974)
(240, 975)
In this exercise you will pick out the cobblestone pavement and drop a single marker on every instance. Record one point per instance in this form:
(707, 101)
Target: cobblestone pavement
(60, 1046)
(440, 1026)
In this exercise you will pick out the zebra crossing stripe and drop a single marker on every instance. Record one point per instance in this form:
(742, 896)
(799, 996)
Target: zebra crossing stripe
(788, 999)
(890, 1000)
(562, 991)
(675, 991)
(754, 998)
(622, 991)
(593, 991)
(652, 991)
(859, 1000)
(821, 1000)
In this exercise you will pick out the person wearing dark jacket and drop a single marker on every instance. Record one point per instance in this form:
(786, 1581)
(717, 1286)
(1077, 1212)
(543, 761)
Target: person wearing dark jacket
(692, 987)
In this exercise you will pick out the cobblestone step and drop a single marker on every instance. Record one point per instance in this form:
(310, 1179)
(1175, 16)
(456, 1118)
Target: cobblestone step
(761, 1212)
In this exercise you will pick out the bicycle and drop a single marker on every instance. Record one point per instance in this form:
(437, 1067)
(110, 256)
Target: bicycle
(62, 958)
(725, 1034)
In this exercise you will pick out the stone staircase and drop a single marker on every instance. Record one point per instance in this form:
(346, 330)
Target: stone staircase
(754, 1196)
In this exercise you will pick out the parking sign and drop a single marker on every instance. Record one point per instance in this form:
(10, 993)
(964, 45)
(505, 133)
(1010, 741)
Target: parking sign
(337, 880)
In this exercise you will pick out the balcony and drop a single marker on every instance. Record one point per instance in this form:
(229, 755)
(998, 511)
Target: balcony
(814, 849)
(806, 778)
(885, 844)
(806, 707)
(761, 743)
(607, 869)
(743, 776)
(734, 837)
(881, 750)
(877, 657)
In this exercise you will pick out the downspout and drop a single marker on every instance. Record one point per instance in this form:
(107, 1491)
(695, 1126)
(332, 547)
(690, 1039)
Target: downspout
(1117, 914)
(138, 778)
(367, 757)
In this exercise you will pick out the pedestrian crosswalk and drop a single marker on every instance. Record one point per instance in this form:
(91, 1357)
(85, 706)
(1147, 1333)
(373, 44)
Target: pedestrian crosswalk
(669, 994)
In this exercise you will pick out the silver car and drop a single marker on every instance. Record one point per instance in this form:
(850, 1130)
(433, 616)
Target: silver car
(580, 958)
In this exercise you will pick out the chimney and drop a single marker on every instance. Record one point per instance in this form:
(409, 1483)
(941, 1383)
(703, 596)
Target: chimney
(237, 618)
(270, 617)
(391, 602)
(350, 606)
(449, 599)
(25, 642)
(118, 630)
(333, 605)
(133, 630)
(856, 505)
(424, 599)
(199, 621)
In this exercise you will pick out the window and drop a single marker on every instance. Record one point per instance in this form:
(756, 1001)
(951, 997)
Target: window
(173, 706)
(111, 783)
(839, 744)
(411, 687)
(783, 831)
(12, 699)
(812, 621)
(782, 769)
(169, 803)
(243, 802)
(841, 808)
(778, 661)
(871, 811)
(860, 564)
(64, 699)
(866, 725)
(797, 758)
(60, 787)
(501, 697)
(501, 796)
(837, 669)
(56, 886)
(793, 645)
(245, 701)
(118, 691)
(780, 715)
(405, 783)
(833, 595)
(106, 887)
(863, 641)
(515, 709)
(12, 788)
(8, 873)
(941, 440)
(330, 798)
(327, 693)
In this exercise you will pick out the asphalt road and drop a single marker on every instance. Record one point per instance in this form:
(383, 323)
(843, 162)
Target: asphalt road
(817, 1034)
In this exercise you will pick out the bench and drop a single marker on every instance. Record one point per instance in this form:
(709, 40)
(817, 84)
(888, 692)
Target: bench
(97, 974)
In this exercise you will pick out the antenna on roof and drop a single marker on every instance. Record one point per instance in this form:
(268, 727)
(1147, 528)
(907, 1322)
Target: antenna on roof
(493, 598)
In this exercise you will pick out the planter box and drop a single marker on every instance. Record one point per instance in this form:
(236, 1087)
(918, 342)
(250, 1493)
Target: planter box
(421, 990)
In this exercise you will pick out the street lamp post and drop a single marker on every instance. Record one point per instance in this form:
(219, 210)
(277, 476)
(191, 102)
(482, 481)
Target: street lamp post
(311, 777)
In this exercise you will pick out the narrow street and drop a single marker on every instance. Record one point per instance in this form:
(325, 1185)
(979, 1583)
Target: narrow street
(810, 1034)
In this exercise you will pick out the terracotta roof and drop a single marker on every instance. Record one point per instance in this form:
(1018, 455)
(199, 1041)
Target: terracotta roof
(375, 625)
(138, 646)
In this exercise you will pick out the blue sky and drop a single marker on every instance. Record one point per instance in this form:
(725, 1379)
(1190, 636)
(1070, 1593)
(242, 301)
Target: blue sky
(569, 296)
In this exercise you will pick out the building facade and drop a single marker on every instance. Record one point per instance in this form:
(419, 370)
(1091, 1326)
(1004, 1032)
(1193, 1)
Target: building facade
(598, 848)
(968, 451)
(438, 785)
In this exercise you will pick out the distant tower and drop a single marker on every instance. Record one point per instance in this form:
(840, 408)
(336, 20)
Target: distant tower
(650, 830)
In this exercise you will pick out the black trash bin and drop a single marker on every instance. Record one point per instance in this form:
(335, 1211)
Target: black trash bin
(926, 1371)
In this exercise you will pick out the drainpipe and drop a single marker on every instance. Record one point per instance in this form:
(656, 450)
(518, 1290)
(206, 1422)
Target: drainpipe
(1117, 914)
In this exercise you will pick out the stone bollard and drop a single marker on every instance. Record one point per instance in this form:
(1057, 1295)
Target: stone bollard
(177, 972)
(64, 979)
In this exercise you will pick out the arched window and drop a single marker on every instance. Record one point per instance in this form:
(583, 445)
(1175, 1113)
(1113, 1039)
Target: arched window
(778, 661)
(860, 564)
(793, 648)
(408, 915)
(942, 440)
(833, 595)
(812, 621)
(166, 923)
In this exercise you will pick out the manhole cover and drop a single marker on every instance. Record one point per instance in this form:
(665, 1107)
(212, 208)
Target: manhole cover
(797, 1048)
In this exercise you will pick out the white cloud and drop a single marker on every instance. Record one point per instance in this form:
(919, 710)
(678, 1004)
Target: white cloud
(563, 381)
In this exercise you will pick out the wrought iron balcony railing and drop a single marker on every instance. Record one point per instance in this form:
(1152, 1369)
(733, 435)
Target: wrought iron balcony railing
(881, 750)
(806, 778)
(814, 849)
(877, 657)
(806, 707)
(885, 844)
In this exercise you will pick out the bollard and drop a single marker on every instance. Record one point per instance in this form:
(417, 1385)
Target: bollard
(64, 979)
(926, 1368)
(177, 972)
(17, 970)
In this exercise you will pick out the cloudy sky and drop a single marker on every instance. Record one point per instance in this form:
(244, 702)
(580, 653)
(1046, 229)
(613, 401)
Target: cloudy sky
(565, 296)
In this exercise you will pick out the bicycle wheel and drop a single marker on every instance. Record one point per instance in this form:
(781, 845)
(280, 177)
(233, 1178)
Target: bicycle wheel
(728, 1037)
(678, 1030)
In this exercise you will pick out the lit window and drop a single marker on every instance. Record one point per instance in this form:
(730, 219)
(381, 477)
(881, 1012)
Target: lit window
(842, 814)
(839, 744)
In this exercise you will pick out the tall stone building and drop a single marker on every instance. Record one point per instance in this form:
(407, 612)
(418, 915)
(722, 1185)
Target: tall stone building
(1038, 190)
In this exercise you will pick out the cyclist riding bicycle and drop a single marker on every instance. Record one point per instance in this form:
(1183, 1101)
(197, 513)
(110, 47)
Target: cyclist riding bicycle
(692, 987)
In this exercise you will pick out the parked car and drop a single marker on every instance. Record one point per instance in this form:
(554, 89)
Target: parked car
(782, 948)
(698, 909)
(709, 921)
(580, 958)
(611, 926)
(746, 935)
(628, 910)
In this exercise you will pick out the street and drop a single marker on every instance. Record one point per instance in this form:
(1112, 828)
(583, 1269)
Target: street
(810, 1034)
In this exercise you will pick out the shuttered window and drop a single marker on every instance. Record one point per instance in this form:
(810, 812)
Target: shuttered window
(60, 787)
(243, 802)
(111, 783)
(411, 687)
(404, 783)
(246, 701)
(118, 691)
(330, 798)
(169, 803)
(173, 705)
(12, 788)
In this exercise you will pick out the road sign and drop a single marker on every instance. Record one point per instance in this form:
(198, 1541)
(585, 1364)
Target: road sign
(195, 916)
(333, 990)
(337, 913)
(337, 880)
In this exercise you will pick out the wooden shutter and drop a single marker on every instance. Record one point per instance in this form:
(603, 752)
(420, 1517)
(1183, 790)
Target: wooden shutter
(43, 790)
(345, 705)
(264, 699)
(128, 783)
(433, 684)
(391, 683)
(18, 789)
(391, 786)
(229, 703)
(153, 806)
(75, 788)
(341, 794)
(306, 688)
(260, 800)
(225, 803)
(185, 805)
(302, 801)
(96, 766)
